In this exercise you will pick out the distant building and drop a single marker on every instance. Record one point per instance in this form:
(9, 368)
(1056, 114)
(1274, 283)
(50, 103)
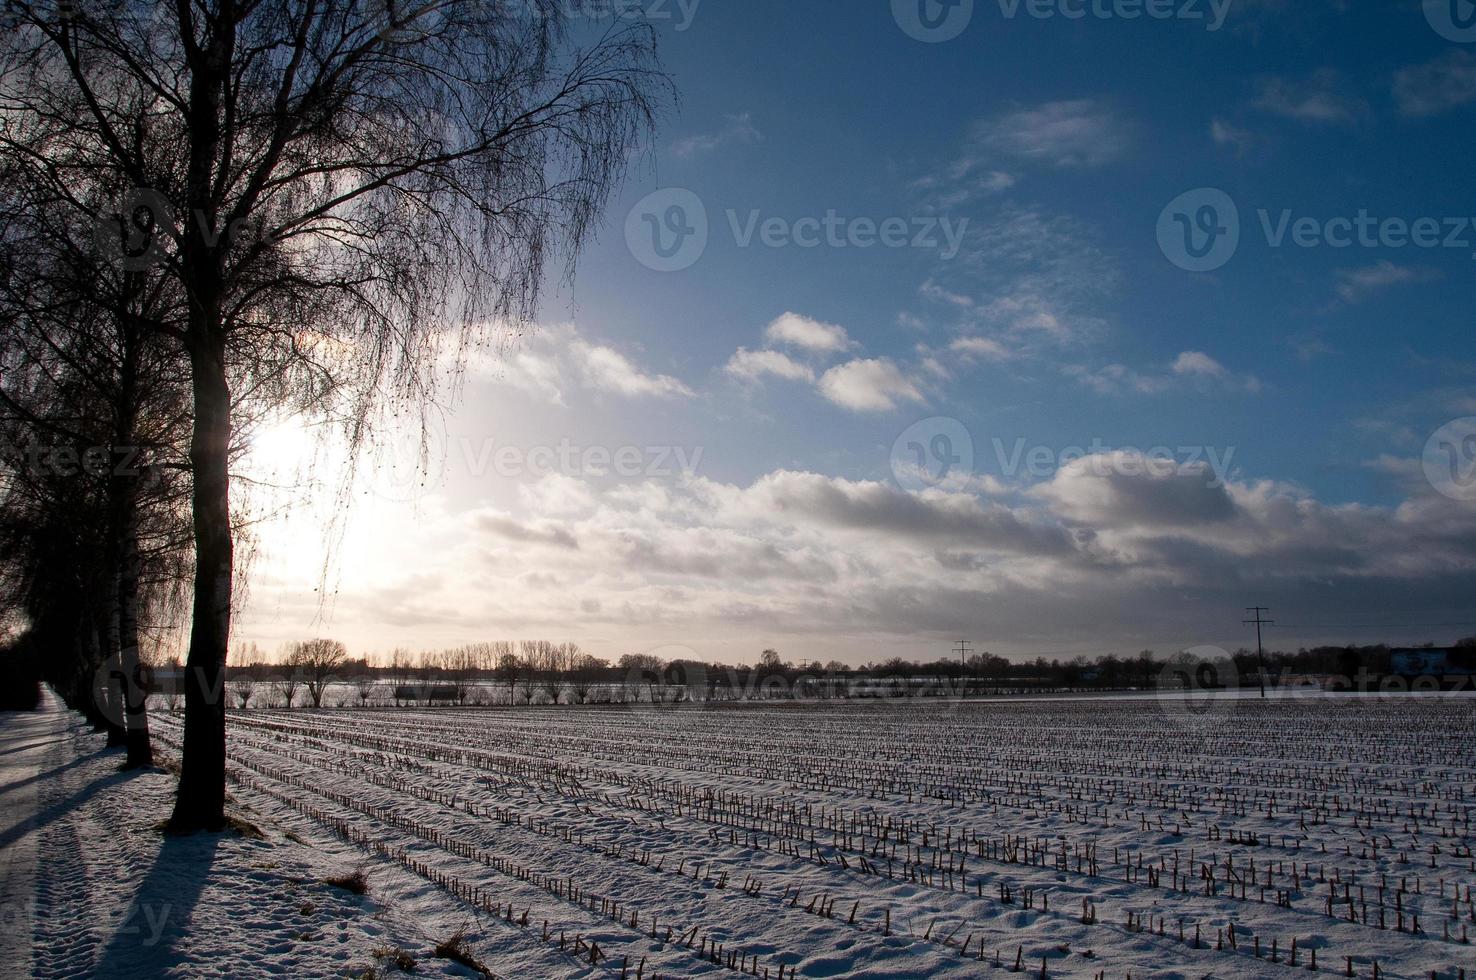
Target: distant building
(1433, 662)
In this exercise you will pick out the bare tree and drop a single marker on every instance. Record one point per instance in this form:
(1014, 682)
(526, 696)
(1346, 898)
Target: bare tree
(379, 171)
(365, 686)
(83, 369)
(318, 662)
(585, 671)
(457, 668)
(639, 669)
(175, 689)
(508, 667)
(401, 664)
(425, 676)
(543, 660)
(286, 684)
(242, 687)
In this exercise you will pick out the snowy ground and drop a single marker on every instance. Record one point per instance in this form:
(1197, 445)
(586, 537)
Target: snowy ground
(1157, 838)
(91, 888)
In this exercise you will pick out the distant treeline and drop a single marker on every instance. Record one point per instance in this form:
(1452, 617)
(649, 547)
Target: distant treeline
(542, 672)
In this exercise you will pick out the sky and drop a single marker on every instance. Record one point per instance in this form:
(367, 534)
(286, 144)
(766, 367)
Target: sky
(1066, 327)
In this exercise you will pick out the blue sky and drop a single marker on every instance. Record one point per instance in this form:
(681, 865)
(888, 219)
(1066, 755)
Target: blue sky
(1299, 385)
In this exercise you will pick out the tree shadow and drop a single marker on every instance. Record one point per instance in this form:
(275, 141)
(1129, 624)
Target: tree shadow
(160, 913)
(61, 807)
(49, 773)
(35, 745)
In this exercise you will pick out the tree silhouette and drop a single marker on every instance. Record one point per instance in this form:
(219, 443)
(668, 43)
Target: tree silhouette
(344, 191)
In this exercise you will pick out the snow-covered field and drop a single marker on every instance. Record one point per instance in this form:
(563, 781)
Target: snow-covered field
(1150, 837)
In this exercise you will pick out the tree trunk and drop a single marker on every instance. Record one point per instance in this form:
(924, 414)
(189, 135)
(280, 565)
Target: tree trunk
(107, 689)
(135, 691)
(201, 801)
(124, 489)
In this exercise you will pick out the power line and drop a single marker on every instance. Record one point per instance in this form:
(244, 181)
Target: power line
(1370, 626)
(1260, 650)
(963, 648)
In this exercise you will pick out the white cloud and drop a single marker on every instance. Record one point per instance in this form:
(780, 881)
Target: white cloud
(1226, 134)
(1108, 549)
(1071, 134)
(1356, 285)
(1190, 367)
(557, 493)
(983, 348)
(537, 374)
(1193, 362)
(540, 532)
(551, 362)
(1113, 379)
(1318, 99)
(931, 290)
(606, 369)
(753, 365)
(966, 180)
(868, 385)
(1446, 83)
(739, 130)
(1027, 276)
(807, 333)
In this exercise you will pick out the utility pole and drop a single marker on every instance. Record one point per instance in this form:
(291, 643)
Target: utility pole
(1259, 621)
(963, 648)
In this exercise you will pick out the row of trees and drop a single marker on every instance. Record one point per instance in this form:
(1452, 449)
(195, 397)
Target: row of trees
(543, 672)
(528, 670)
(217, 212)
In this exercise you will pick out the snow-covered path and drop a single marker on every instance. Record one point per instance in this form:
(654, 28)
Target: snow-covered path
(91, 887)
(27, 740)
